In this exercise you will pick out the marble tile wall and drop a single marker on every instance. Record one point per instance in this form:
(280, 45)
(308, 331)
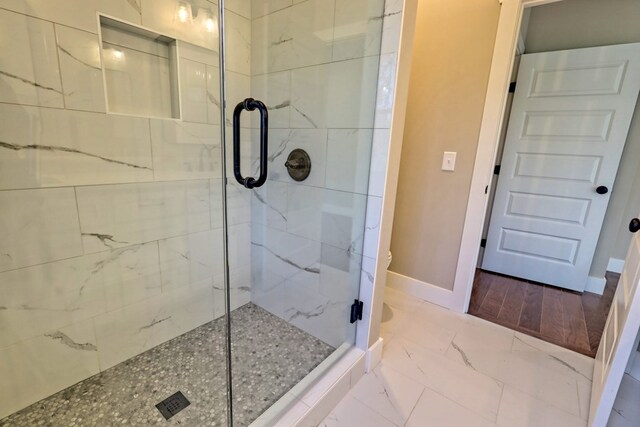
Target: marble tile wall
(111, 224)
(317, 65)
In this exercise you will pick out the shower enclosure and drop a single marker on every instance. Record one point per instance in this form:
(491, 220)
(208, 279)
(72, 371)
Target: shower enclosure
(143, 277)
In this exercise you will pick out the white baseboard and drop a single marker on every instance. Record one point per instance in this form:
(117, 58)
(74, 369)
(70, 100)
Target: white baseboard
(423, 290)
(373, 356)
(596, 285)
(615, 265)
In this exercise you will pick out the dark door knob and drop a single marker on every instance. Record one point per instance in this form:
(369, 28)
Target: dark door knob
(602, 190)
(634, 225)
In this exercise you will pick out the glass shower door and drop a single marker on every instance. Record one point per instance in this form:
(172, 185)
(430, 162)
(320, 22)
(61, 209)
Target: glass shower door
(296, 241)
(111, 255)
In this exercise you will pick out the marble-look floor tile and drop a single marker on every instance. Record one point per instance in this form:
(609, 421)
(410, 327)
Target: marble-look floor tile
(461, 384)
(542, 383)
(389, 393)
(434, 409)
(519, 409)
(481, 345)
(351, 412)
(38, 226)
(81, 70)
(432, 326)
(626, 403)
(29, 72)
(552, 356)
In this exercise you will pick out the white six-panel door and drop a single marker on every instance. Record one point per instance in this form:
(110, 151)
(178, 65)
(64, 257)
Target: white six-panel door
(568, 126)
(618, 339)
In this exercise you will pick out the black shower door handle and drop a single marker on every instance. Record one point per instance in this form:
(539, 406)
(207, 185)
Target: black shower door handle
(251, 104)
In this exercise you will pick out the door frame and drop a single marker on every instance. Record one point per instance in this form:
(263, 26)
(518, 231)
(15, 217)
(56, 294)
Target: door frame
(504, 53)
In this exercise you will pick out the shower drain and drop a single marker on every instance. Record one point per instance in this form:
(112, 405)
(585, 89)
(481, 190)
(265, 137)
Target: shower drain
(172, 405)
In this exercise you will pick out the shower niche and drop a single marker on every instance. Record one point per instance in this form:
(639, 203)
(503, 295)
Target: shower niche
(140, 69)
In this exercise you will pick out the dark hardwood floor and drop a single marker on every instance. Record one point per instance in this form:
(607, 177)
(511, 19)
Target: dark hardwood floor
(566, 318)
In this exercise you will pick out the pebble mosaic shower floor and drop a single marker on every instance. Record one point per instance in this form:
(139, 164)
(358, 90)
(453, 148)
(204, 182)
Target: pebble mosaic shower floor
(269, 357)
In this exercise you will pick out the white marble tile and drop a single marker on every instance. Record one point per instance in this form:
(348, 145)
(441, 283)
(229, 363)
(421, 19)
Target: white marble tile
(162, 16)
(462, 384)
(215, 192)
(29, 72)
(77, 14)
(332, 217)
(391, 27)
(238, 44)
(540, 382)
(389, 393)
(518, 409)
(352, 412)
(38, 226)
(51, 295)
(635, 365)
(481, 345)
(264, 7)
(432, 327)
(213, 94)
(584, 397)
(617, 420)
(332, 389)
(184, 150)
(339, 274)
(137, 83)
(198, 53)
(358, 28)
(269, 205)
(379, 157)
(39, 367)
(274, 89)
(241, 7)
(434, 409)
(238, 89)
(386, 90)
(193, 91)
(45, 147)
(239, 201)
(124, 333)
(372, 227)
(322, 96)
(626, 403)
(297, 36)
(192, 260)
(81, 70)
(553, 357)
(283, 141)
(348, 157)
(120, 215)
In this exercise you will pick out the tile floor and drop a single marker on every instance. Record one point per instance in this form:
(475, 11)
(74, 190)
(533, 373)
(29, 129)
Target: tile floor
(441, 368)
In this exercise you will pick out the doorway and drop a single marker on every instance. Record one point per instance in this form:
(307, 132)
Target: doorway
(533, 306)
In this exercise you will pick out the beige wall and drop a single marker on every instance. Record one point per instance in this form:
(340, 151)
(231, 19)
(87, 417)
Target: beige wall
(451, 60)
(573, 24)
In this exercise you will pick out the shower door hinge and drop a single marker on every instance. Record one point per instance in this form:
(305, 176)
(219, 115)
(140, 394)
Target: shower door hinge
(496, 170)
(512, 87)
(356, 310)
